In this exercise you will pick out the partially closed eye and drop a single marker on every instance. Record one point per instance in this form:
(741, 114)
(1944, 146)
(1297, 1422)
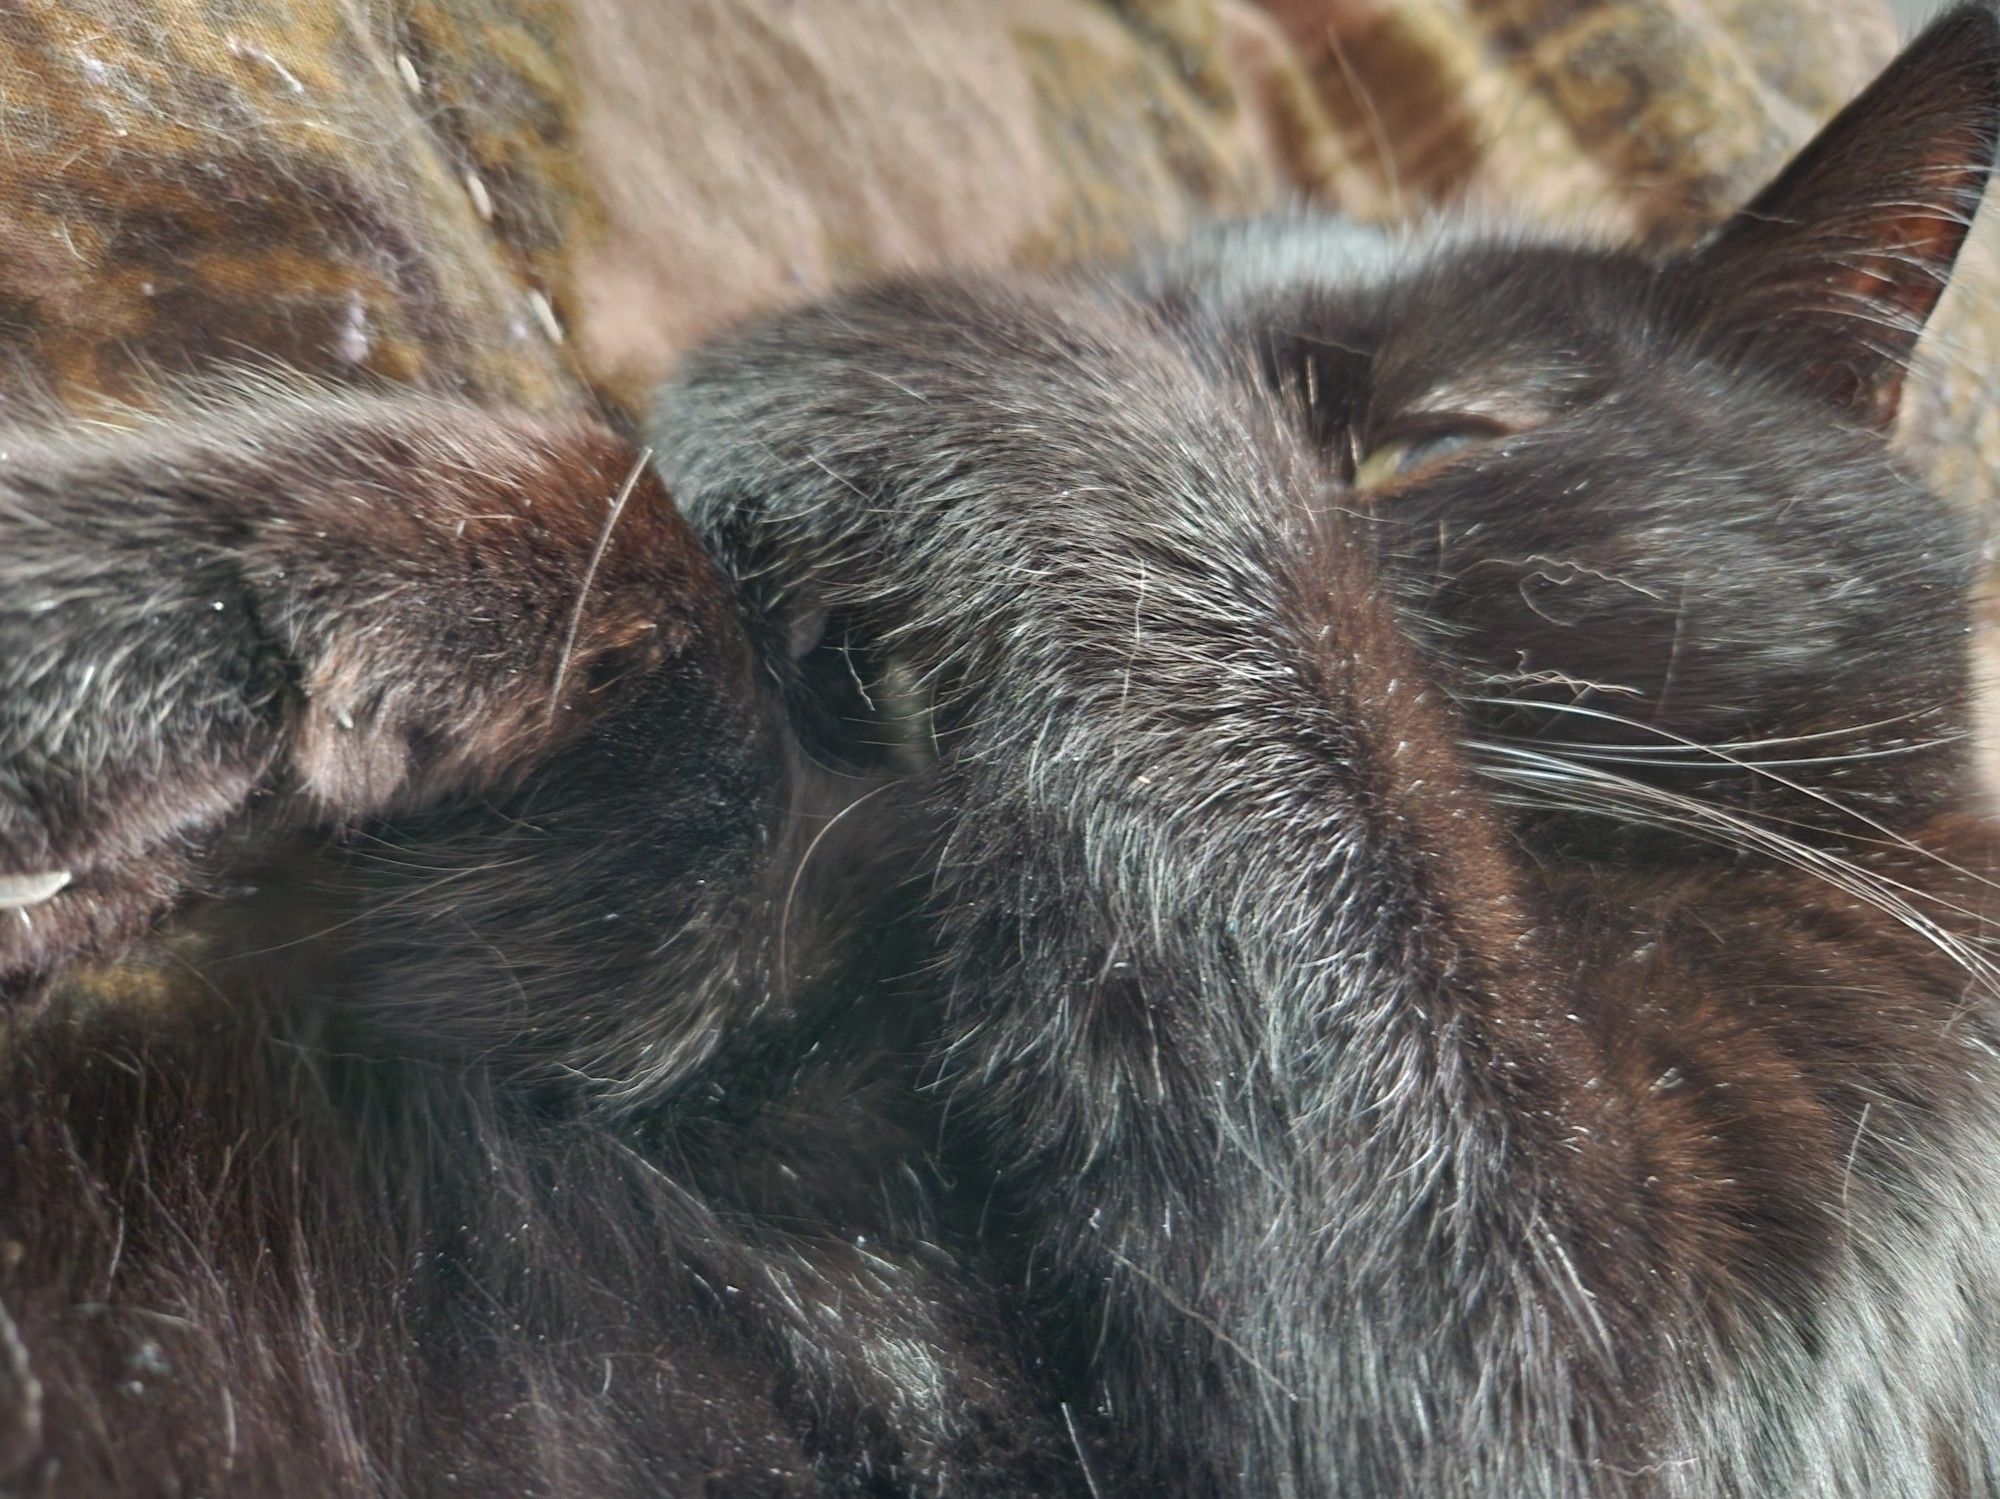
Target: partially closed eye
(1397, 460)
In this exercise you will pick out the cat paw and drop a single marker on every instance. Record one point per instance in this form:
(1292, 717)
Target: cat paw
(337, 607)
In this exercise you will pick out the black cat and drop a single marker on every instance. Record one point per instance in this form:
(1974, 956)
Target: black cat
(1334, 865)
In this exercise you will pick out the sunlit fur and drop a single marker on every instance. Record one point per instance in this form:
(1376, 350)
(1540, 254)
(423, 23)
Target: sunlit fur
(1046, 939)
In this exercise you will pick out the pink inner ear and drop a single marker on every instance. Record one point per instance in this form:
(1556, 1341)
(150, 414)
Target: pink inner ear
(1907, 264)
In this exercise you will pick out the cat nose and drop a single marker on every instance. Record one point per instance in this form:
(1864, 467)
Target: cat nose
(19, 891)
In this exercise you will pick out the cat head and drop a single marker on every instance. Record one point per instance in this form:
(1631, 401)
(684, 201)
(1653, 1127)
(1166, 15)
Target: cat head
(1649, 506)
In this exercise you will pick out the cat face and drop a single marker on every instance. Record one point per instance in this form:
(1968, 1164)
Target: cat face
(1642, 514)
(1609, 532)
(1647, 510)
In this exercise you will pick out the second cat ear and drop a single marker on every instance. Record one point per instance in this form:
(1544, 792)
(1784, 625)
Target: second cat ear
(1832, 271)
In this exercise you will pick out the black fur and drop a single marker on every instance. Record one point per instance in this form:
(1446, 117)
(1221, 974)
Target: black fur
(1332, 865)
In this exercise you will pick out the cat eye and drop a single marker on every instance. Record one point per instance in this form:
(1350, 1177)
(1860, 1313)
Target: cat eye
(1413, 455)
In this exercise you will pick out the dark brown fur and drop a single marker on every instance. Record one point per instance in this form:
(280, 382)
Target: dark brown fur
(1327, 866)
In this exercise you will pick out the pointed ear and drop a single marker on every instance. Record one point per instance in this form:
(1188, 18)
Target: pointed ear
(1832, 270)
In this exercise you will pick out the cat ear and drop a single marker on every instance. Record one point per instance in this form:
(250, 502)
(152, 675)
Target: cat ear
(1834, 268)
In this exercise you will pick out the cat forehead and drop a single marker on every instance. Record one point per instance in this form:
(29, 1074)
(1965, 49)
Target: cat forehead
(1246, 264)
(1454, 314)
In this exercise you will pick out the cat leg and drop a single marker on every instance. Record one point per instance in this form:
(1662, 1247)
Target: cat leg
(1241, 996)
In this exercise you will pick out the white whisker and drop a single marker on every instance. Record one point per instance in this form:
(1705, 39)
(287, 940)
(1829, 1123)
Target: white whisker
(590, 576)
(1560, 784)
